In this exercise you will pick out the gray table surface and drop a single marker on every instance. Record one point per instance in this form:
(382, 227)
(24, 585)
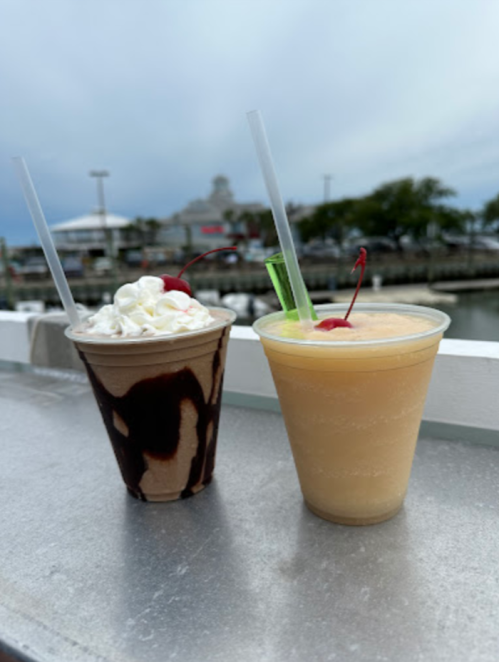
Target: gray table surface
(242, 571)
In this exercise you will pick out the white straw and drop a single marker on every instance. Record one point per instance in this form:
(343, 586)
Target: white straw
(46, 240)
(280, 218)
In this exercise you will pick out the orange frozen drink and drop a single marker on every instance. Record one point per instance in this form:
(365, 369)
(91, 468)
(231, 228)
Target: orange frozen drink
(352, 401)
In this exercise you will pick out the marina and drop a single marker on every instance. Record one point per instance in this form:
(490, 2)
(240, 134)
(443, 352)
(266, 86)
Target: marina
(236, 425)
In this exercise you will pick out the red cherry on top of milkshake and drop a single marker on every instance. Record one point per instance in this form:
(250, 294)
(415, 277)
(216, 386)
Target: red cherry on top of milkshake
(172, 283)
(181, 285)
(331, 323)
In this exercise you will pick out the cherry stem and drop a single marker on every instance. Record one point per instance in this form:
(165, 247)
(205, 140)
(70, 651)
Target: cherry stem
(361, 261)
(199, 257)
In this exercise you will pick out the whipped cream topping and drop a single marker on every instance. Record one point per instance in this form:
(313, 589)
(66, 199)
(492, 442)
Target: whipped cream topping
(143, 308)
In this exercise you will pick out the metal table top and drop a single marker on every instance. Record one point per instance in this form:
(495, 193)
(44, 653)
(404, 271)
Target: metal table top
(242, 571)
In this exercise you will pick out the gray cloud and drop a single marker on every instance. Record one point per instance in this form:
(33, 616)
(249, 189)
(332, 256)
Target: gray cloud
(157, 92)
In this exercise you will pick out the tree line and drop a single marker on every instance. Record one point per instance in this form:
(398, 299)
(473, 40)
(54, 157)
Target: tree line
(408, 207)
(405, 208)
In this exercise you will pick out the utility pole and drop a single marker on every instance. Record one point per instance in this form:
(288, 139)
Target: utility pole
(9, 295)
(431, 233)
(108, 233)
(470, 223)
(327, 187)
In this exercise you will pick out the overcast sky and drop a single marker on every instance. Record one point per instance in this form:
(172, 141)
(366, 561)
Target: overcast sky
(156, 91)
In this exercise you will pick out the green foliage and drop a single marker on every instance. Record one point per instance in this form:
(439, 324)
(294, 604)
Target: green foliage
(255, 223)
(266, 227)
(144, 230)
(406, 207)
(394, 210)
(331, 219)
(450, 219)
(490, 213)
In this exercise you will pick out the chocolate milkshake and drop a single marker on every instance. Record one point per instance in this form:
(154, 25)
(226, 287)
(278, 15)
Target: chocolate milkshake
(155, 361)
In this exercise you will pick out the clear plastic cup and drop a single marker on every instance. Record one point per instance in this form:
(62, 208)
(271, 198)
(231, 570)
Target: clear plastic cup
(352, 411)
(160, 401)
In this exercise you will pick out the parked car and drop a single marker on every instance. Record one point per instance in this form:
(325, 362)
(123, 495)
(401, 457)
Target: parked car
(464, 243)
(423, 247)
(134, 259)
(259, 253)
(35, 268)
(73, 267)
(156, 258)
(223, 258)
(373, 245)
(320, 250)
(457, 243)
(102, 265)
(14, 268)
(179, 256)
(486, 244)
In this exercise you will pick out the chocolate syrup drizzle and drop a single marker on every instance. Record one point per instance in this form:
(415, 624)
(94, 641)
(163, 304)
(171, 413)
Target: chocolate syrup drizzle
(151, 410)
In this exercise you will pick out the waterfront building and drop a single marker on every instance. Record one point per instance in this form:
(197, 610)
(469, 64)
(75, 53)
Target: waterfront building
(87, 234)
(204, 223)
(210, 222)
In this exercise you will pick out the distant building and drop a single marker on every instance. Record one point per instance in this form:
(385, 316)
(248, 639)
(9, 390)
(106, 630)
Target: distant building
(208, 222)
(203, 224)
(87, 234)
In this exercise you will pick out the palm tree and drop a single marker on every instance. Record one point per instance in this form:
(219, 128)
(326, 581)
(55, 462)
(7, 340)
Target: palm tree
(153, 227)
(490, 214)
(330, 219)
(405, 207)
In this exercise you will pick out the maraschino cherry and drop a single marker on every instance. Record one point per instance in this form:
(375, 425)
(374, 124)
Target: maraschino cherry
(334, 322)
(181, 285)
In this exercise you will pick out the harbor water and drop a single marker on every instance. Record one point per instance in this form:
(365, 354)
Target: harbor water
(475, 316)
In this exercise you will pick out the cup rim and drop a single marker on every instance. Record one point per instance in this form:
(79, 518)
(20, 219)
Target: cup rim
(441, 319)
(141, 340)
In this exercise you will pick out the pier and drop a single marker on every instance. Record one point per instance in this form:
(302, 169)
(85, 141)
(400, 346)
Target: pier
(421, 282)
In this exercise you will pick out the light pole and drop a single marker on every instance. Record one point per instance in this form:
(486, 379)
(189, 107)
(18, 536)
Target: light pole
(8, 280)
(431, 233)
(108, 233)
(327, 186)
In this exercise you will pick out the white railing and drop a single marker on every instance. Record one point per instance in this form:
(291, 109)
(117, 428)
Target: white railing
(464, 390)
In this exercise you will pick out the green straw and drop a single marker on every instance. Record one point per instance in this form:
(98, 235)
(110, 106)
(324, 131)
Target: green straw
(280, 218)
(279, 277)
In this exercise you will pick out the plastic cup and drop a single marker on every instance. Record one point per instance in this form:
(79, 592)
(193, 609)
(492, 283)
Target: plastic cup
(160, 399)
(352, 411)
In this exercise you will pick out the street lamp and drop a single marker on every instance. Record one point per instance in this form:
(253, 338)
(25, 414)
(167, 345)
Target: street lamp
(4, 258)
(108, 233)
(327, 186)
(99, 175)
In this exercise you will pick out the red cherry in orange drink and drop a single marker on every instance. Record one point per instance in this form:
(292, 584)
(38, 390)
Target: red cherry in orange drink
(331, 323)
